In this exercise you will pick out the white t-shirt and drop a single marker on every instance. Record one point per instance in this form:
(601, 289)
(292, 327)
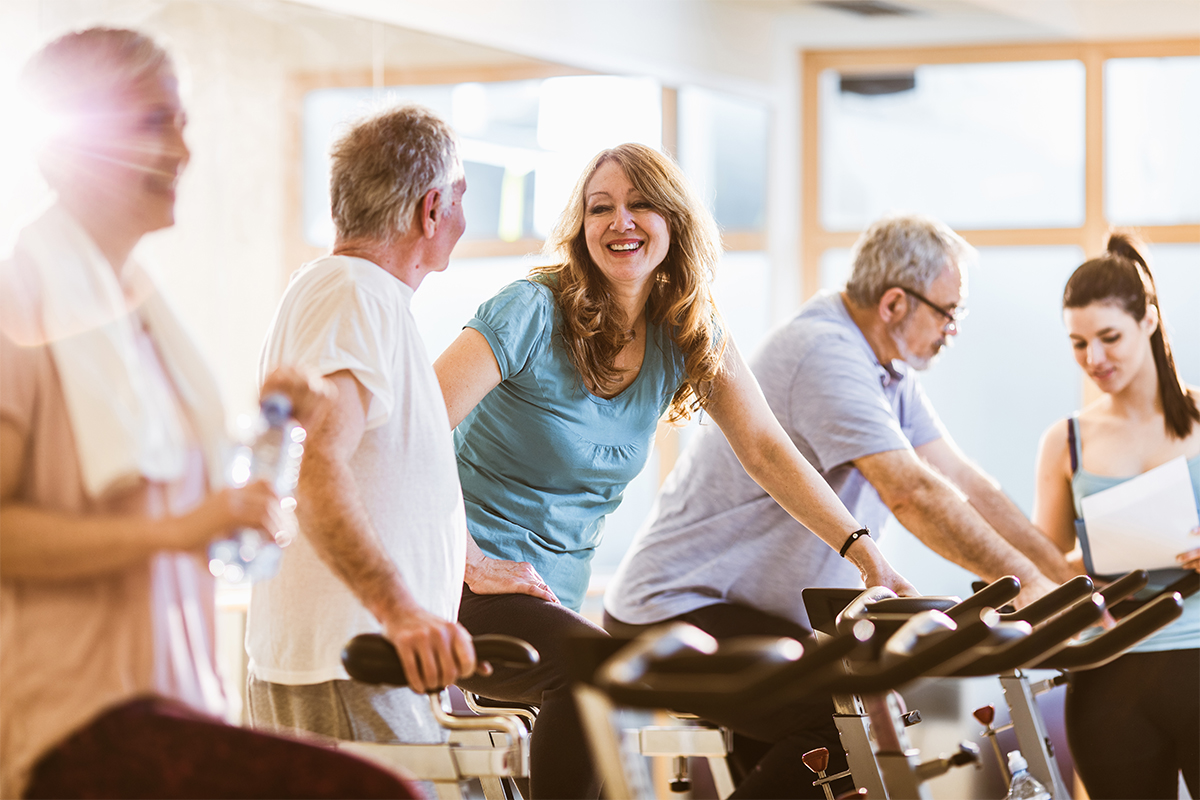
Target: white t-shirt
(342, 313)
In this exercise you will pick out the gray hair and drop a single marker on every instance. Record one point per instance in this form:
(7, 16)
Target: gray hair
(384, 165)
(909, 251)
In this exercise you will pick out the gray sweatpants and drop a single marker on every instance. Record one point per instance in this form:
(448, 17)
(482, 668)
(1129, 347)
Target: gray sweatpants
(344, 710)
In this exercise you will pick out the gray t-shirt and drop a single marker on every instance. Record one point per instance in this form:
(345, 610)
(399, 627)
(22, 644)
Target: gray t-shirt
(715, 535)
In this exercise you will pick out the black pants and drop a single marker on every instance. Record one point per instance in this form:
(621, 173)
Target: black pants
(1134, 725)
(771, 736)
(560, 762)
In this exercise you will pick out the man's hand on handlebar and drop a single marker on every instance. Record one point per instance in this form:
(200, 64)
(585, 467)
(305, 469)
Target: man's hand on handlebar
(435, 652)
(892, 580)
(1033, 587)
(875, 569)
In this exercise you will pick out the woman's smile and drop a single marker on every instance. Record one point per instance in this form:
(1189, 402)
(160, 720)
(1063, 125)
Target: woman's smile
(626, 236)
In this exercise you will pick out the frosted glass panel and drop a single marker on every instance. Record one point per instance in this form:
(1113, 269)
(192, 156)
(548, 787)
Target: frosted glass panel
(723, 145)
(1011, 372)
(835, 268)
(1152, 140)
(976, 145)
(1177, 276)
(742, 290)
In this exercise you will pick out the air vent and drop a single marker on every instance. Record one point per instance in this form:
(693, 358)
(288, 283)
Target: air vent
(885, 83)
(867, 8)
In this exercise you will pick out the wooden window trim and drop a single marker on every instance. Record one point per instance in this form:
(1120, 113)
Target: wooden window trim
(297, 250)
(1089, 236)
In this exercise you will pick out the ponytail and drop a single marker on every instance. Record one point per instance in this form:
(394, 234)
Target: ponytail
(1121, 276)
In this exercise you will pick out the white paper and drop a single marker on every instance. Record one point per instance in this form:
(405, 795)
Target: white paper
(1144, 522)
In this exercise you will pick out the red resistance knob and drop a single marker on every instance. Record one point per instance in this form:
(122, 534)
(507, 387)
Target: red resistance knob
(986, 715)
(816, 760)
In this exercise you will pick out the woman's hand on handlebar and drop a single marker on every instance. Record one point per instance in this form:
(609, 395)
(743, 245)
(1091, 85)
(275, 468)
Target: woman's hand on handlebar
(496, 576)
(1190, 559)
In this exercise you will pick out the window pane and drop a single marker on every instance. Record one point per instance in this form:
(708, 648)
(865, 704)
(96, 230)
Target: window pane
(723, 149)
(1177, 277)
(524, 143)
(976, 145)
(1012, 372)
(835, 267)
(1152, 140)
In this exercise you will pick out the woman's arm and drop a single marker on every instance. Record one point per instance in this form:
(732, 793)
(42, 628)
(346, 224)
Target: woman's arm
(762, 446)
(467, 371)
(1191, 558)
(39, 543)
(52, 545)
(1053, 503)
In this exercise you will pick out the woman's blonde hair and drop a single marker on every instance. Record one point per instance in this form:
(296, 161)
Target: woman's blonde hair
(593, 331)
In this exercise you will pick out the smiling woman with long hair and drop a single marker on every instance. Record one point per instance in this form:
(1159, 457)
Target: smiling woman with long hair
(556, 388)
(1133, 724)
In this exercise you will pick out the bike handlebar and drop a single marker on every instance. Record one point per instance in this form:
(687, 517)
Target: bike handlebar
(371, 658)
(1053, 602)
(1047, 638)
(1108, 645)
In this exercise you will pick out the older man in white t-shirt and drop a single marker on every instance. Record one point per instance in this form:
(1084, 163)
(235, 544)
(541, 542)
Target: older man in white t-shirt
(382, 542)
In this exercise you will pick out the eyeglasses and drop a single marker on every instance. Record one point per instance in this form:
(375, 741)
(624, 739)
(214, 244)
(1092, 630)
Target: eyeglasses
(953, 316)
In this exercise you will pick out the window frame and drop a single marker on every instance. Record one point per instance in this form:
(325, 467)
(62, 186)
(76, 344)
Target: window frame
(1090, 237)
(298, 250)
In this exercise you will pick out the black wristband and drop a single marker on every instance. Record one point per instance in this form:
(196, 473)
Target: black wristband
(854, 537)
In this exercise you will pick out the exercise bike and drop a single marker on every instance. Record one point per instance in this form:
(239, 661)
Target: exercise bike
(490, 746)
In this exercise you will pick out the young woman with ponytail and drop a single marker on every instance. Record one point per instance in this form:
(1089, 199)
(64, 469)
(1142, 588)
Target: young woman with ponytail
(1134, 724)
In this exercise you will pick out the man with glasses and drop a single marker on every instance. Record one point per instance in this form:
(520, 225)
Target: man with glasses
(719, 553)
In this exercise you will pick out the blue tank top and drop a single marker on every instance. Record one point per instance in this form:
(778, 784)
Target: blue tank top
(1184, 633)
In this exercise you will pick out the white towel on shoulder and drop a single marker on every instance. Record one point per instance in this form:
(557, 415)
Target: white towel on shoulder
(125, 426)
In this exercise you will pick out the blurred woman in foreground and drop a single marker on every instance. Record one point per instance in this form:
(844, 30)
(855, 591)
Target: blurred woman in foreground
(111, 468)
(1134, 724)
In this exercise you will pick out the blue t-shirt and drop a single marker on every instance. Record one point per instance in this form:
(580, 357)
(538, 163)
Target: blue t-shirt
(1183, 633)
(541, 459)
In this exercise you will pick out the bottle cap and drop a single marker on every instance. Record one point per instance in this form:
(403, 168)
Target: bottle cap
(276, 408)
(1016, 761)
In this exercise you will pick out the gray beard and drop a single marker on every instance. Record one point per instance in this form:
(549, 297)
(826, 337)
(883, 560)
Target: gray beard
(914, 361)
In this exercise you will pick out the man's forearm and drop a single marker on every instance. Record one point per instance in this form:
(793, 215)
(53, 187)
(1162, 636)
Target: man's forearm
(1003, 515)
(333, 518)
(955, 530)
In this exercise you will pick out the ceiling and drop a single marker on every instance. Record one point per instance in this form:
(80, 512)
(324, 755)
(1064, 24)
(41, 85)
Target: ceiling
(818, 23)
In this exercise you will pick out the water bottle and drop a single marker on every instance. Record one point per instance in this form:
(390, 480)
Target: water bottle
(1024, 786)
(273, 454)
